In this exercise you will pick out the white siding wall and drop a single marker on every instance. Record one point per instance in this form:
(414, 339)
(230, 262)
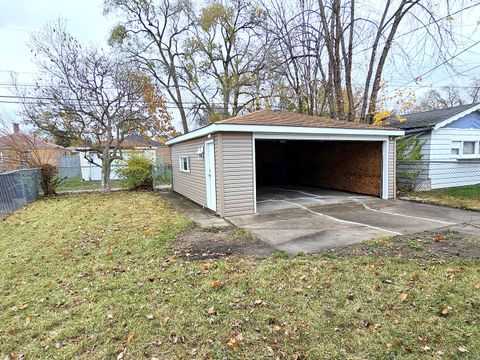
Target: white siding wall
(392, 160)
(455, 172)
(91, 172)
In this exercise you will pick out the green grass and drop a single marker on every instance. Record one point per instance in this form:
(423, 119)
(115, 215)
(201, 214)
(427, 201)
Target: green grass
(465, 197)
(76, 183)
(82, 273)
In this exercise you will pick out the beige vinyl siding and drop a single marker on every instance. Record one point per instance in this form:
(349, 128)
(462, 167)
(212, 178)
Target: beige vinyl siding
(190, 184)
(237, 174)
(392, 168)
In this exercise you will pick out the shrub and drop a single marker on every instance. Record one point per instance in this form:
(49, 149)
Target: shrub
(137, 172)
(49, 180)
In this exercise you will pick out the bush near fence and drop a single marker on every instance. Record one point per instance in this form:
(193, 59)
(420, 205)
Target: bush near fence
(426, 175)
(18, 188)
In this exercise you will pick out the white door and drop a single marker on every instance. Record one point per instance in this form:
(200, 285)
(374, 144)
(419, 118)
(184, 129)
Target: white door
(210, 175)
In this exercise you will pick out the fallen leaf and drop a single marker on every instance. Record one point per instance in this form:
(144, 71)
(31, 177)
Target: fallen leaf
(234, 340)
(215, 283)
(176, 256)
(477, 286)
(23, 306)
(445, 311)
(211, 311)
(462, 349)
(439, 238)
(203, 266)
(403, 297)
(389, 346)
(415, 277)
(27, 321)
(110, 316)
(150, 316)
(258, 302)
(130, 338)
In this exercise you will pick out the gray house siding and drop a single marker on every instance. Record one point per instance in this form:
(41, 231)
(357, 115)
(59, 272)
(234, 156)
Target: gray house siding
(238, 174)
(190, 184)
(235, 172)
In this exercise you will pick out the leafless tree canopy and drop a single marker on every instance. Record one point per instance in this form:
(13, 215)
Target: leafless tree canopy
(324, 57)
(91, 95)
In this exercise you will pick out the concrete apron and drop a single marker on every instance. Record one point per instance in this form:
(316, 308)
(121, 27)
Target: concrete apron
(311, 223)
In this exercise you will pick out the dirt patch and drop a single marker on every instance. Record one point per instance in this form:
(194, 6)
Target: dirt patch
(215, 242)
(429, 245)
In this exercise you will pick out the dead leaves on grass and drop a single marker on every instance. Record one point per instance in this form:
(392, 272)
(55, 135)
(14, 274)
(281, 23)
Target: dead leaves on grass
(128, 340)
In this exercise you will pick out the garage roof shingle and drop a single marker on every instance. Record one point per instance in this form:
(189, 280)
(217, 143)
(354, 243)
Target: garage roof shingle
(284, 118)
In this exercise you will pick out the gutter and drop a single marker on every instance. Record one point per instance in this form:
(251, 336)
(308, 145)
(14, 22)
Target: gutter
(279, 129)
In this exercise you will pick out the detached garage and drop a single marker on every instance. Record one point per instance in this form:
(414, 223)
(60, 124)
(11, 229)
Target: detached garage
(225, 165)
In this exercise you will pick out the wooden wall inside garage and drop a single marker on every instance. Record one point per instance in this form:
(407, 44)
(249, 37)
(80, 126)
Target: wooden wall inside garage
(354, 166)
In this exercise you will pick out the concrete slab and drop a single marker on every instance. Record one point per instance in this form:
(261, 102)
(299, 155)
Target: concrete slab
(311, 220)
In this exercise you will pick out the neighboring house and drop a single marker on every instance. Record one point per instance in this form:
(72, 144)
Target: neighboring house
(451, 150)
(91, 165)
(19, 150)
(221, 166)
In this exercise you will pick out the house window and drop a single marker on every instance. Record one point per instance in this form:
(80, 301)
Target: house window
(184, 163)
(456, 147)
(465, 149)
(468, 148)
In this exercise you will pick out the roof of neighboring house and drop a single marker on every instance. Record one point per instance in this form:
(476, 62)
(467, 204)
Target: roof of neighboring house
(282, 122)
(21, 139)
(139, 141)
(286, 118)
(131, 142)
(428, 119)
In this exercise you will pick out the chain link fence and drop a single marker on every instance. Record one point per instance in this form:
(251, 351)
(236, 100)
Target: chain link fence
(162, 176)
(18, 188)
(429, 175)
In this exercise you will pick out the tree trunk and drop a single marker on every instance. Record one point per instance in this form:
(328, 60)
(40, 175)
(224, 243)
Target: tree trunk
(106, 169)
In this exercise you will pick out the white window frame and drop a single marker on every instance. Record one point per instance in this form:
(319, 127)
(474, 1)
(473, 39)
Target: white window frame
(181, 163)
(456, 144)
(461, 155)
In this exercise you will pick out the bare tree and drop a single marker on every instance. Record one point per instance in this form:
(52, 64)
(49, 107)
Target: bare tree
(151, 33)
(338, 49)
(224, 56)
(91, 95)
(447, 97)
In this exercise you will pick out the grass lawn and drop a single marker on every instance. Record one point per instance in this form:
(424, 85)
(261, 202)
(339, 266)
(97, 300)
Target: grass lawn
(464, 197)
(76, 183)
(92, 276)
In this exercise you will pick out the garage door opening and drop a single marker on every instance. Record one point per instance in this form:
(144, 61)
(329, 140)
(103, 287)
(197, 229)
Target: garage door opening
(335, 167)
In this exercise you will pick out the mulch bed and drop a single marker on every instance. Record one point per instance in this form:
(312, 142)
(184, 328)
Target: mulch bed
(210, 243)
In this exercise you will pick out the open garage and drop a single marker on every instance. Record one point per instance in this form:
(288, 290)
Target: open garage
(354, 166)
(230, 166)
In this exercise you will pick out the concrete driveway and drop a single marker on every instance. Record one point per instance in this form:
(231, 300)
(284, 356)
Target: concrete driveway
(311, 220)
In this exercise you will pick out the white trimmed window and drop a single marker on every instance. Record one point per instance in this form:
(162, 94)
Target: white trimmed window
(465, 149)
(469, 148)
(184, 163)
(456, 147)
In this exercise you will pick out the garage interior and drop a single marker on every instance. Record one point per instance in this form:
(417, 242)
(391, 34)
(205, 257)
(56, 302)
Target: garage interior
(346, 166)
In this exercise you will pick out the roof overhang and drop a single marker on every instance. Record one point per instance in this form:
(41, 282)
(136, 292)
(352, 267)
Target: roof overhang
(456, 117)
(276, 129)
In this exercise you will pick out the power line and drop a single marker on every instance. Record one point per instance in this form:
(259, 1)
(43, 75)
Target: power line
(439, 65)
